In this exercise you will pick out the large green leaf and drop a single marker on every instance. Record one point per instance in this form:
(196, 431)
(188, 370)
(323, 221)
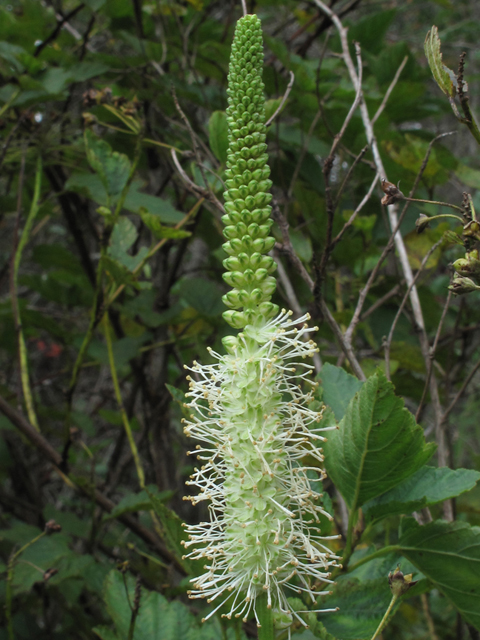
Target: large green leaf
(158, 619)
(426, 487)
(377, 445)
(448, 553)
(338, 388)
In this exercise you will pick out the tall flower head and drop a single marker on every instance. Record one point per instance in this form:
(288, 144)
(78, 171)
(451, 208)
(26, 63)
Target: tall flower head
(249, 409)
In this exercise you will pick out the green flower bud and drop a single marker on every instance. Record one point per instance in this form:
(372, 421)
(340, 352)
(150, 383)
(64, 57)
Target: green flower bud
(247, 199)
(468, 266)
(461, 285)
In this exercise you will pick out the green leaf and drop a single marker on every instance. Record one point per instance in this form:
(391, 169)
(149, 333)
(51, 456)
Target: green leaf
(338, 388)
(172, 528)
(218, 135)
(123, 236)
(203, 295)
(113, 168)
(363, 596)
(441, 73)
(424, 488)
(448, 554)
(158, 229)
(377, 445)
(133, 502)
(157, 619)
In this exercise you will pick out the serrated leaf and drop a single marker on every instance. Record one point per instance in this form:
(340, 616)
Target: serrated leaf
(441, 73)
(338, 388)
(448, 554)
(426, 487)
(112, 168)
(218, 135)
(377, 445)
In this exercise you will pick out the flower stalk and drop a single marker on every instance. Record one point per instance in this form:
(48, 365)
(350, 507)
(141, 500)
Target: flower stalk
(252, 411)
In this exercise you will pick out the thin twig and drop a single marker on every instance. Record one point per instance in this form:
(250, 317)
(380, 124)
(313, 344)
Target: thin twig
(327, 168)
(350, 221)
(389, 90)
(61, 22)
(388, 342)
(380, 301)
(284, 99)
(303, 153)
(244, 7)
(299, 267)
(432, 356)
(349, 174)
(437, 202)
(461, 391)
(464, 103)
(193, 138)
(118, 396)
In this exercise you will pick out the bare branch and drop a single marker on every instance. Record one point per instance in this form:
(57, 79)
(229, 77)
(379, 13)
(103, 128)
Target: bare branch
(285, 96)
(461, 391)
(388, 342)
(432, 356)
(244, 7)
(389, 90)
(350, 221)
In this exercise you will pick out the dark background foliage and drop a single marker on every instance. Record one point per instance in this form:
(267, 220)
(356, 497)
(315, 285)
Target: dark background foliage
(123, 101)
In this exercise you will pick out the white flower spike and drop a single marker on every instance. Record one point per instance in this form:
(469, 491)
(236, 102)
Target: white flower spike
(249, 410)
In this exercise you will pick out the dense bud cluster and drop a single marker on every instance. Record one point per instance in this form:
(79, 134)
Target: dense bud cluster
(247, 219)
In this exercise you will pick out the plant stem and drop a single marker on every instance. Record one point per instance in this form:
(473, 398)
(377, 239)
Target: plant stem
(383, 622)
(437, 202)
(265, 618)
(22, 349)
(118, 395)
(8, 588)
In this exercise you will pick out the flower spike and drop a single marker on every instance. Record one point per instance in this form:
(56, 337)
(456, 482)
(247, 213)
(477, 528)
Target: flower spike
(251, 408)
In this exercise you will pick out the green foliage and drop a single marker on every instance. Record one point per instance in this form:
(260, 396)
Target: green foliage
(426, 487)
(448, 554)
(442, 74)
(376, 446)
(158, 619)
(98, 221)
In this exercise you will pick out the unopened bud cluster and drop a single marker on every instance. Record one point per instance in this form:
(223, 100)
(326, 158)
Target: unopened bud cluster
(467, 274)
(255, 424)
(247, 219)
